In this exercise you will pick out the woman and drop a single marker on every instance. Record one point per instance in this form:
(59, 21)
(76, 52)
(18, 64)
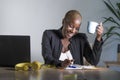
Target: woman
(66, 45)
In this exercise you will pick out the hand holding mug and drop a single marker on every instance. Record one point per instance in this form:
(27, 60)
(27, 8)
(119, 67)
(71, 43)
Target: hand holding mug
(95, 27)
(99, 31)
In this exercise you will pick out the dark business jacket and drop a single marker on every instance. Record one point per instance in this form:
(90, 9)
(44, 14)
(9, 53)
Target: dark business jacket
(79, 48)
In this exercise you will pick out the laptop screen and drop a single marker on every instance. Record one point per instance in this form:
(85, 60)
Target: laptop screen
(14, 49)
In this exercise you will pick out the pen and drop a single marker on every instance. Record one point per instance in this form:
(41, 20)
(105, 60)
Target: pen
(71, 66)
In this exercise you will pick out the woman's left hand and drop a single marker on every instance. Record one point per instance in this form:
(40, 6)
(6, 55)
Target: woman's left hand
(99, 32)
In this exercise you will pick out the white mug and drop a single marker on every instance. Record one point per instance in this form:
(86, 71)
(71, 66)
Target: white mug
(92, 25)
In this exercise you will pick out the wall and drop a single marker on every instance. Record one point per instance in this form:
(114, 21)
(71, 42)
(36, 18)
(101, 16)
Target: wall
(32, 17)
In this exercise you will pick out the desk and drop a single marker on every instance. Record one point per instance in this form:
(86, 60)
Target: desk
(112, 63)
(59, 74)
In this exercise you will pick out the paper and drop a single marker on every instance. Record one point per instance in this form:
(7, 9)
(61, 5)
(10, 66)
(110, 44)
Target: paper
(76, 66)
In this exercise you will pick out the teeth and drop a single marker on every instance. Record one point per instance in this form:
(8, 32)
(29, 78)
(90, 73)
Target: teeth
(70, 34)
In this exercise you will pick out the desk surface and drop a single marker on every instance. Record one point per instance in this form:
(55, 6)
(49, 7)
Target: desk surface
(112, 63)
(60, 74)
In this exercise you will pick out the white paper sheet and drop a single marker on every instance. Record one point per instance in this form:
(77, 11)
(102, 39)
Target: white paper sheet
(76, 66)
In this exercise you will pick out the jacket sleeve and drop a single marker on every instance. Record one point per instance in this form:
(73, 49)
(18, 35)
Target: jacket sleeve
(47, 50)
(92, 55)
(97, 49)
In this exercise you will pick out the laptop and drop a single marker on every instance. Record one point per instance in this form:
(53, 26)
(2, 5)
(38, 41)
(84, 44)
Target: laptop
(14, 49)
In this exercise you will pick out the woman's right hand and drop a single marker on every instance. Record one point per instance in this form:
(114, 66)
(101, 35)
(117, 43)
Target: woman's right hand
(66, 63)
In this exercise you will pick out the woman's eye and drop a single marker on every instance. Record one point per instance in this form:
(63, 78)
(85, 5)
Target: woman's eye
(71, 26)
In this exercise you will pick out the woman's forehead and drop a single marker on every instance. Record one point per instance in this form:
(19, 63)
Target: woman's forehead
(77, 21)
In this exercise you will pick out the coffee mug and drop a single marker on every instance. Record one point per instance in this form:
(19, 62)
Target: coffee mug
(92, 25)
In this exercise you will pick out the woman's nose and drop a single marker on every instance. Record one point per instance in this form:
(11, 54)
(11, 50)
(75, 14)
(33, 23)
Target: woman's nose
(73, 30)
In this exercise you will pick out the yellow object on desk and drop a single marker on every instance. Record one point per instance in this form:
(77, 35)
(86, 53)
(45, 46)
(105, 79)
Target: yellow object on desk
(22, 66)
(25, 66)
(36, 65)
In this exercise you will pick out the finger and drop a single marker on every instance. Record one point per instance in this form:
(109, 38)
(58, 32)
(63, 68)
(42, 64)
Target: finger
(100, 30)
(66, 61)
(72, 60)
(100, 23)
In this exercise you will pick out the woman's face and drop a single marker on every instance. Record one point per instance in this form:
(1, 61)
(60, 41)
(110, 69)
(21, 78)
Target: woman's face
(70, 29)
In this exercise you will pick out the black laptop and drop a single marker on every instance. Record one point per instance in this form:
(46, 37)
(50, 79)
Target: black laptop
(14, 49)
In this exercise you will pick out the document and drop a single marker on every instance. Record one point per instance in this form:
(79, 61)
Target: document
(76, 66)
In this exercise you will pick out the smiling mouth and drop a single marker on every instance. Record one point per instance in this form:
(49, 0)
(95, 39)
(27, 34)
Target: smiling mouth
(69, 35)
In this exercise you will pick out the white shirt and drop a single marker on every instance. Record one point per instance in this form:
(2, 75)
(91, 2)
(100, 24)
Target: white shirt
(66, 55)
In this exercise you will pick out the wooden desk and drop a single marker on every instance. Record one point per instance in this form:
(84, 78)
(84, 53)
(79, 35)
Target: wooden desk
(60, 74)
(112, 63)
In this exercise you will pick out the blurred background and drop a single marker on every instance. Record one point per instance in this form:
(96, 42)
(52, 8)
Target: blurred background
(32, 17)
